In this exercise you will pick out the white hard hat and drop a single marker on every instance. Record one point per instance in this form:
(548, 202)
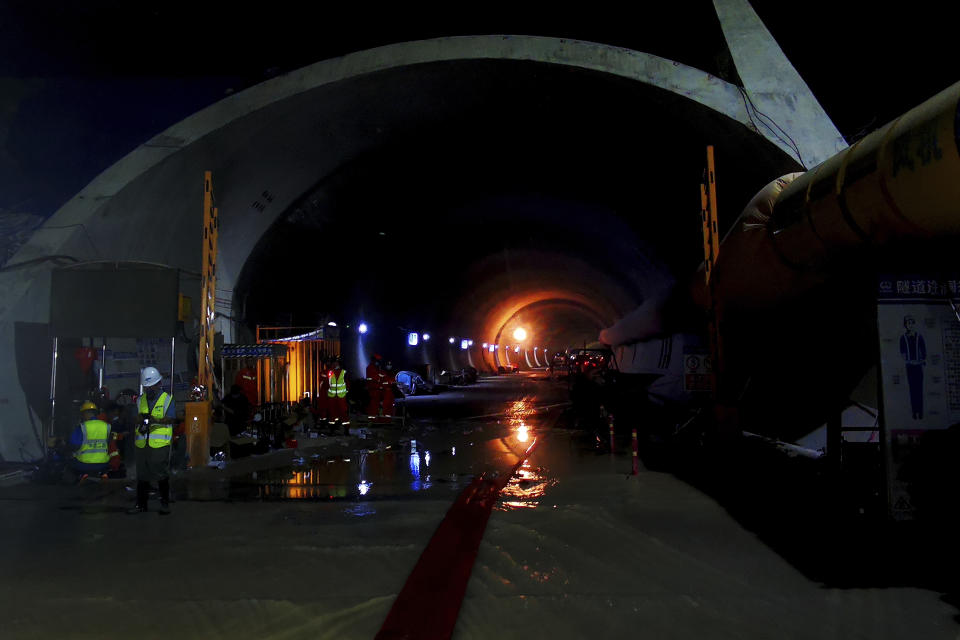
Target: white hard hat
(149, 376)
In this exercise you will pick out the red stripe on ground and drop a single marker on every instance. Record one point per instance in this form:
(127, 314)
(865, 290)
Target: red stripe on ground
(427, 606)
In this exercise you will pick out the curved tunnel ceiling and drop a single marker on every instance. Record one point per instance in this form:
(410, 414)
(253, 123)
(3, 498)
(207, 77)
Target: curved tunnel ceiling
(511, 182)
(456, 149)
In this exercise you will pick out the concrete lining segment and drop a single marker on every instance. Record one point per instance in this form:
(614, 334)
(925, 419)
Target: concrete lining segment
(783, 107)
(691, 83)
(151, 183)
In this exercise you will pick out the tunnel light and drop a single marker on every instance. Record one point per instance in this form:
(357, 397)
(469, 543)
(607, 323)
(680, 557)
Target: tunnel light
(364, 487)
(412, 339)
(464, 344)
(484, 345)
(520, 334)
(522, 433)
(331, 324)
(516, 349)
(426, 337)
(470, 343)
(452, 340)
(363, 327)
(492, 348)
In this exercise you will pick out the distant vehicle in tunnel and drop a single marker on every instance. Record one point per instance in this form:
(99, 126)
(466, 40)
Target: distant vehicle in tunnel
(585, 360)
(558, 365)
(510, 368)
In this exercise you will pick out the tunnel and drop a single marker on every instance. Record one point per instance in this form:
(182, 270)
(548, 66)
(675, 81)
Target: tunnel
(500, 172)
(518, 223)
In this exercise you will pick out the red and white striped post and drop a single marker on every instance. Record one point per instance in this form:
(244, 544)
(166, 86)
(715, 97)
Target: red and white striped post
(636, 457)
(610, 422)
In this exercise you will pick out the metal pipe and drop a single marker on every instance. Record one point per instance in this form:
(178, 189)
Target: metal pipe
(53, 390)
(103, 361)
(787, 447)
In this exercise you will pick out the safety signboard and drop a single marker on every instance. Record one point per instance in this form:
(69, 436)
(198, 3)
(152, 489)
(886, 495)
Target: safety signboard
(919, 339)
(697, 368)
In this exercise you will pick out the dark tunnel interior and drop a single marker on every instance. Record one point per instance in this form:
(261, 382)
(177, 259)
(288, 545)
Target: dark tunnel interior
(528, 183)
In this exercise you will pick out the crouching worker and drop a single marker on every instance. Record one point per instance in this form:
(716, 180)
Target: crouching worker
(154, 434)
(90, 441)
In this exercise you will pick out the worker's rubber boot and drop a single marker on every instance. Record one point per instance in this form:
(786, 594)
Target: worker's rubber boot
(143, 491)
(165, 497)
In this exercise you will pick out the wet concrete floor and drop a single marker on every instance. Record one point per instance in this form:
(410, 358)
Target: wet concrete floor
(317, 543)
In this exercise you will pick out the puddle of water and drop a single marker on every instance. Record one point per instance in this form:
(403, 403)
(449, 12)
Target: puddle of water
(525, 489)
(433, 459)
(361, 476)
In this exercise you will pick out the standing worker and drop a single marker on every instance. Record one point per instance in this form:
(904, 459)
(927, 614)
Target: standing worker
(154, 435)
(323, 401)
(373, 387)
(246, 379)
(387, 381)
(337, 396)
(91, 443)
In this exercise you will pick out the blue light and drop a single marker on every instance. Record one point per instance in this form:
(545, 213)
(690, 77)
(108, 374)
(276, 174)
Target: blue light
(451, 340)
(464, 344)
(426, 337)
(413, 339)
(363, 327)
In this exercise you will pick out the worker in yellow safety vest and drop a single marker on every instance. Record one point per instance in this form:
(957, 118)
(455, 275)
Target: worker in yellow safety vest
(337, 409)
(90, 441)
(154, 435)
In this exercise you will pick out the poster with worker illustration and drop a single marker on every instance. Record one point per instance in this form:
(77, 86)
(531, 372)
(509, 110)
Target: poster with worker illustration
(919, 335)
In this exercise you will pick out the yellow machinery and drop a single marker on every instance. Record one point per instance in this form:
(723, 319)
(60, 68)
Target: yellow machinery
(901, 182)
(199, 413)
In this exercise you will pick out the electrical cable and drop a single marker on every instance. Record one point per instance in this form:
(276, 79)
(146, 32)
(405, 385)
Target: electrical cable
(752, 110)
(792, 144)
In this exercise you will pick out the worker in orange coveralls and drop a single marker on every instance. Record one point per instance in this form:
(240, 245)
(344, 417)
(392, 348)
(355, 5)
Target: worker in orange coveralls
(246, 379)
(387, 380)
(373, 387)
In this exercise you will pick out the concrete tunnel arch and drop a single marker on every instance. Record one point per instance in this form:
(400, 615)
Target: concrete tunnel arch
(261, 145)
(544, 303)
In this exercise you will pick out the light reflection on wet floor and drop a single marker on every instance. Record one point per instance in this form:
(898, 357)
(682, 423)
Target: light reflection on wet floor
(431, 462)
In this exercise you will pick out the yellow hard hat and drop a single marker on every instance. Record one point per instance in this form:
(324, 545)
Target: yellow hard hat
(88, 406)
